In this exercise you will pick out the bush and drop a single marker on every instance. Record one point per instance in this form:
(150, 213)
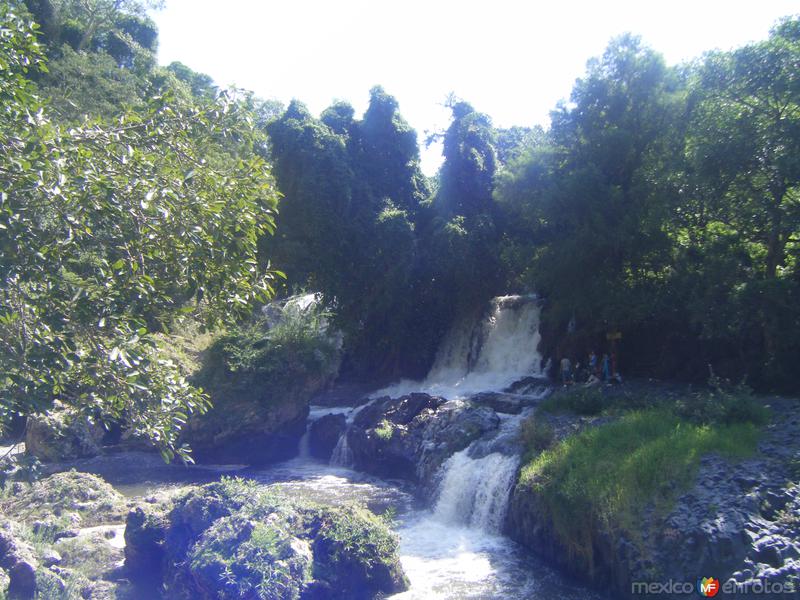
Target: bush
(578, 399)
(274, 351)
(722, 403)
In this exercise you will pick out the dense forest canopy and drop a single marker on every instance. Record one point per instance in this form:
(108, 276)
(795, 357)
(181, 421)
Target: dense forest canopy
(663, 202)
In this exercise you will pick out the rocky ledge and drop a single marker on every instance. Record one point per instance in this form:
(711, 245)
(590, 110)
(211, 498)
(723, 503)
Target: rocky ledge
(739, 523)
(411, 436)
(235, 539)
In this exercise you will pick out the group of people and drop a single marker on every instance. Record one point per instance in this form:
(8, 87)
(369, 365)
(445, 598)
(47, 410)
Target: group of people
(597, 370)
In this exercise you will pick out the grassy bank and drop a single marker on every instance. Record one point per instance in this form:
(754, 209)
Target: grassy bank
(602, 479)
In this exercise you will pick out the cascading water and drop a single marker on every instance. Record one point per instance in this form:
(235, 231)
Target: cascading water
(488, 355)
(342, 455)
(475, 491)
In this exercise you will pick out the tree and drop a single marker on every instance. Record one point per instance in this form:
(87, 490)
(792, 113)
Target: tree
(596, 198)
(111, 230)
(743, 162)
(466, 180)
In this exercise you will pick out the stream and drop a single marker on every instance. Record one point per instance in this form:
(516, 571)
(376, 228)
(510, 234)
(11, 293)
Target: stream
(444, 557)
(451, 546)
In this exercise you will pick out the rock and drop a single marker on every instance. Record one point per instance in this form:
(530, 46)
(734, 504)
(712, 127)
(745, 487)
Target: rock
(739, 522)
(50, 557)
(63, 501)
(499, 402)
(63, 434)
(324, 433)
(411, 436)
(260, 389)
(18, 560)
(145, 529)
(227, 538)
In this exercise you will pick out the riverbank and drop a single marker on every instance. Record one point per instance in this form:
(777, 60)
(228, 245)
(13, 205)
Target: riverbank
(630, 486)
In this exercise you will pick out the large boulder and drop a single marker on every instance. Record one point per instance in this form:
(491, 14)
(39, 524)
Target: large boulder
(63, 434)
(64, 539)
(324, 434)
(260, 378)
(230, 538)
(410, 437)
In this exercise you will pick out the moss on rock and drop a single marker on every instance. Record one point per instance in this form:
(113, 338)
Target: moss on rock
(236, 539)
(69, 498)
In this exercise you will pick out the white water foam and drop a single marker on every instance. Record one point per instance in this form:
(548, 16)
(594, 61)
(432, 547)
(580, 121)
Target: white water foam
(475, 491)
(489, 355)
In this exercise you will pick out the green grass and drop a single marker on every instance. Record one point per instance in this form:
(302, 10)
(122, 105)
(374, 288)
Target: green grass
(536, 435)
(597, 400)
(384, 430)
(602, 478)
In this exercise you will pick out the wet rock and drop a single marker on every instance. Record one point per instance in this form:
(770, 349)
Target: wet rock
(411, 436)
(324, 433)
(502, 403)
(145, 529)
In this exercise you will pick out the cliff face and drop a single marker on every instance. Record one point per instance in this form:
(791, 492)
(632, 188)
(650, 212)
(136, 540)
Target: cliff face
(738, 523)
(253, 424)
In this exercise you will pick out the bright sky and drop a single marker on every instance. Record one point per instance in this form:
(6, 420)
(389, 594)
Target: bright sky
(510, 59)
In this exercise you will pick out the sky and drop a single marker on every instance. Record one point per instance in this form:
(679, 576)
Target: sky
(513, 60)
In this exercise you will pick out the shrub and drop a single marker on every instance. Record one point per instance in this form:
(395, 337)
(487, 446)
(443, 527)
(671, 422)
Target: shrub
(271, 352)
(384, 430)
(578, 399)
(722, 403)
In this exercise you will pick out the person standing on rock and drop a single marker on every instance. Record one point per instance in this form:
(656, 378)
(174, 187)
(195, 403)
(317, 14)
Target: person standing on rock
(566, 370)
(606, 367)
(593, 368)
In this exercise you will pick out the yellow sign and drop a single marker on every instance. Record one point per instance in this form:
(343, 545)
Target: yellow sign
(614, 335)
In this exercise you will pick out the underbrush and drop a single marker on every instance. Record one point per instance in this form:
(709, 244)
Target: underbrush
(720, 403)
(269, 353)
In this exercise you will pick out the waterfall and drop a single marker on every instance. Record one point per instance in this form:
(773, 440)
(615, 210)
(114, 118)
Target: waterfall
(490, 354)
(475, 491)
(342, 454)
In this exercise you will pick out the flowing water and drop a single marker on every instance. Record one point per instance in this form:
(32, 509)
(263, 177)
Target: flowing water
(484, 355)
(452, 550)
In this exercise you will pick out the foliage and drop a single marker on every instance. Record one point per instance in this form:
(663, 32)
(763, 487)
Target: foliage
(720, 403)
(597, 400)
(111, 229)
(347, 225)
(663, 204)
(601, 479)
(723, 404)
(536, 435)
(384, 430)
(277, 351)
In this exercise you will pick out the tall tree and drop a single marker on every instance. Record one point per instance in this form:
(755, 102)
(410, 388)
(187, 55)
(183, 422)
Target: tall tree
(109, 231)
